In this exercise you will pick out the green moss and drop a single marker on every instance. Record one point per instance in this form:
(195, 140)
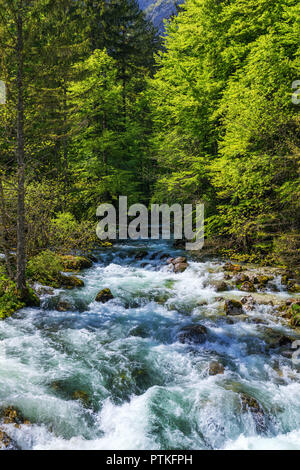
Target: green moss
(9, 298)
(45, 268)
(75, 263)
(70, 282)
(295, 315)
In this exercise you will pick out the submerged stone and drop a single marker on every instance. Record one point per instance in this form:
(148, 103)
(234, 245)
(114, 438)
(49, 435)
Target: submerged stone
(250, 404)
(193, 334)
(216, 368)
(82, 396)
(140, 255)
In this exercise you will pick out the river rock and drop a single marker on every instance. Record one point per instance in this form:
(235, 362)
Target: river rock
(193, 334)
(248, 302)
(179, 259)
(75, 263)
(92, 258)
(276, 339)
(82, 396)
(178, 264)
(233, 307)
(44, 290)
(180, 267)
(141, 255)
(216, 368)
(247, 286)
(11, 415)
(63, 306)
(240, 278)
(220, 286)
(5, 440)
(232, 267)
(250, 404)
(104, 296)
(70, 282)
(293, 287)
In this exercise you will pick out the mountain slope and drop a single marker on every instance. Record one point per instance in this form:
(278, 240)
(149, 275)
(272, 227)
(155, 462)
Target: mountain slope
(158, 10)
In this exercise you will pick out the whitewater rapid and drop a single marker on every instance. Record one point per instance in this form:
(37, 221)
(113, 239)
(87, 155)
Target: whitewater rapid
(144, 389)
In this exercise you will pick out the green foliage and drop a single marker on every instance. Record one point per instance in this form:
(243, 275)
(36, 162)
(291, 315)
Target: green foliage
(9, 299)
(45, 268)
(66, 234)
(225, 129)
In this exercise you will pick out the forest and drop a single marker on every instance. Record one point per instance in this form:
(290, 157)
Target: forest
(100, 104)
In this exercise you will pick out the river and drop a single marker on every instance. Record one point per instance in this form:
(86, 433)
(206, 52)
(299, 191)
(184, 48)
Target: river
(116, 376)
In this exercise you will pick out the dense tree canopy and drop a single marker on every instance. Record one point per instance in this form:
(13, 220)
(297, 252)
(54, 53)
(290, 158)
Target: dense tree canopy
(109, 110)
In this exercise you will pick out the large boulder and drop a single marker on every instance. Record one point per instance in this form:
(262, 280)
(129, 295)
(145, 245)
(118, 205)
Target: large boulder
(233, 307)
(70, 282)
(75, 263)
(104, 296)
(193, 334)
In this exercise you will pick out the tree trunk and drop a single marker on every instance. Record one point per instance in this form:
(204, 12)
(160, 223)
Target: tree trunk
(21, 239)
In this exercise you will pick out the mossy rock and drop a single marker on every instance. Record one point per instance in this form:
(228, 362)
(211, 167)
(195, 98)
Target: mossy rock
(193, 334)
(71, 282)
(31, 299)
(11, 415)
(233, 307)
(75, 263)
(293, 287)
(82, 396)
(232, 267)
(5, 440)
(294, 313)
(104, 296)
(247, 286)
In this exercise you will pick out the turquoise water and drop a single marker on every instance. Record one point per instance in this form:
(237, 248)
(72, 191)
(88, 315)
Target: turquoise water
(143, 389)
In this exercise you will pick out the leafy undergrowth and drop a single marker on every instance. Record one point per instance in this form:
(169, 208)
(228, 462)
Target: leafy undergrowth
(45, 268)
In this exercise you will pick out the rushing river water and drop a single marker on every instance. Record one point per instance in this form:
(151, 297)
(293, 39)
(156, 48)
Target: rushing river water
(140, 388)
